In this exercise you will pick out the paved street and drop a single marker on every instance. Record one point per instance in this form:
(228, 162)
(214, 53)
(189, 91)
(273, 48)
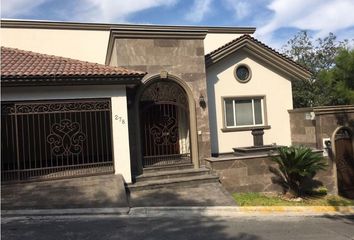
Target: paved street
(241, 228)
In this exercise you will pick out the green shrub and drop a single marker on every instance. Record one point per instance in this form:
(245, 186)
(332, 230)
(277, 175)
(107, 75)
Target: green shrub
(297, 165)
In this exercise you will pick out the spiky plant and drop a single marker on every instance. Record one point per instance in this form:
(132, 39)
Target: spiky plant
(295, 165)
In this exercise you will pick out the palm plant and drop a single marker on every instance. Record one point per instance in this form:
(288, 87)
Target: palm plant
(296, 164)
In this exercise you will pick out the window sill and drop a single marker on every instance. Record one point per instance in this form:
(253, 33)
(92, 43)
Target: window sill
(239, 129)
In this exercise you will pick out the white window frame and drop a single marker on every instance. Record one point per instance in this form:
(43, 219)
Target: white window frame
(234, 99)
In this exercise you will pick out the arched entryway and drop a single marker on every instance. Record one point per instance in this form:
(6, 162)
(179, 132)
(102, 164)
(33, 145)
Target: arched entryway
(344, 157)
(166, 124)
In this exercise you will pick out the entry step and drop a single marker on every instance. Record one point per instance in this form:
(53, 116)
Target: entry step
(173, 182)
(168, 168)
(161, 175)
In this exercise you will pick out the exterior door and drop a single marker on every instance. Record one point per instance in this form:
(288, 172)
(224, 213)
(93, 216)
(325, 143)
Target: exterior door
(345, 163)
(164, 119)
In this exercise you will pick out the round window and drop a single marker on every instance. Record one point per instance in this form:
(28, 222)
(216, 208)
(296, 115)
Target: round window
(242, 73)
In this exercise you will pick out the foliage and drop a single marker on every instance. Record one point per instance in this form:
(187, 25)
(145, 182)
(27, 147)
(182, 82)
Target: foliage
(296, 166)
(320, 56)
(260, 199)
(341, 78)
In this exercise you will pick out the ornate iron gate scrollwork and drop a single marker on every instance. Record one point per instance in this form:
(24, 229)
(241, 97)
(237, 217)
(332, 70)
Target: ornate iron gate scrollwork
(66, 138)
(164, 125)
(55, 139)
(165, 131)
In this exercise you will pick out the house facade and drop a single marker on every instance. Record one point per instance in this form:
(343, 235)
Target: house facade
(171, 95)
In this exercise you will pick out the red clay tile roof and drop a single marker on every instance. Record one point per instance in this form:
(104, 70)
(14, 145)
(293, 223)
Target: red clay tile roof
(219, 51)
(20, 64)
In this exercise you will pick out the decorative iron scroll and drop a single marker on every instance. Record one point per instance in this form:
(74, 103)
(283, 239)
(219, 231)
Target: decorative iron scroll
(165, 132)
(165, 91)
(66, 138)
(51, 107)
(7, 109)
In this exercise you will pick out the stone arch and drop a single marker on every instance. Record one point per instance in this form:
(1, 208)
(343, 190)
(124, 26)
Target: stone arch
(147, 81)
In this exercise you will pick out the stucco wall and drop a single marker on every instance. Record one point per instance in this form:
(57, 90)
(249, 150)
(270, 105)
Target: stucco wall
(83, 45)
(117, 94)
(265, 81)
(213, 41)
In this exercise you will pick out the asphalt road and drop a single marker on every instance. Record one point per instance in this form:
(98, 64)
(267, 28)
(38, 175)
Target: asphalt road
(148, 228)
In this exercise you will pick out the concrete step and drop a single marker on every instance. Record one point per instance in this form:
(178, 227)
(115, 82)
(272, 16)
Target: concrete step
(161, 175)
(168, 168)
(172, 182)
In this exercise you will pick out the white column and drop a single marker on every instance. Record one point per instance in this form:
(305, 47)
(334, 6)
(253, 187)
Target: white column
(121, 152)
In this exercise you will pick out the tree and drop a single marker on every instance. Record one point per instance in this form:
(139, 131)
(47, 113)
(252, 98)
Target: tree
(296, 164)
(318, 56)
(341, 77)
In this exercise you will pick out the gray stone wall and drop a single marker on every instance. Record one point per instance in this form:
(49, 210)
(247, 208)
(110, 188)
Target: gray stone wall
(325, 120)
(311, 133)
(303, 129)
(183, 58)
(251, 174)
(327, 123)
(244, 175)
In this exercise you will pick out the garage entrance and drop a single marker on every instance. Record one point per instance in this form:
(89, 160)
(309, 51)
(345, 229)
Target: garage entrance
(55, 139)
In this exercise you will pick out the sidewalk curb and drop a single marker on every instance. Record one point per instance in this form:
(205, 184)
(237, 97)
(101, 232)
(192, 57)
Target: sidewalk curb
(232, 211)
(221, 211)
(69, 211)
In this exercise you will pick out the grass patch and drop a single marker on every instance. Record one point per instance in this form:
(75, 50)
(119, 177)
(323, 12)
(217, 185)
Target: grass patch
(260, 199)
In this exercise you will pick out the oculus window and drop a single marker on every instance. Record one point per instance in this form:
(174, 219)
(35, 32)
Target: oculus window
(244, 112)
(242, 73)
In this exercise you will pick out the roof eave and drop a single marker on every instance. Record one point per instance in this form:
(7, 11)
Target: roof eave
(44, 24)
(283, 65)
(16, 81)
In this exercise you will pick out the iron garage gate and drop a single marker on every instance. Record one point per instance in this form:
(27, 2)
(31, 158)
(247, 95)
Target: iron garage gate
(55, 139)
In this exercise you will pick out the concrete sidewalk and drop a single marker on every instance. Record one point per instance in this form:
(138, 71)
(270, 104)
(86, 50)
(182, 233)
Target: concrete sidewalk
(207, 194)
(107, 195)
(106, 191)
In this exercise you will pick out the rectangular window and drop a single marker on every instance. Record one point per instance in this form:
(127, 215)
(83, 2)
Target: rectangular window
(244, 112)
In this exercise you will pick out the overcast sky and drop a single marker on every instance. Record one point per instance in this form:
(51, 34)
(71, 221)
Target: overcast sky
(276, 20)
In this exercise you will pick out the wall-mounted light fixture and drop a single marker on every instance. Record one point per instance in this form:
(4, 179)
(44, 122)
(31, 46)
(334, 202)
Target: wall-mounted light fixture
(202, 102)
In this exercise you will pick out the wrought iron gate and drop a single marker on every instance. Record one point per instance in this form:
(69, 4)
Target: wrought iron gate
(164, 125)
(55, 139)
(345, 163)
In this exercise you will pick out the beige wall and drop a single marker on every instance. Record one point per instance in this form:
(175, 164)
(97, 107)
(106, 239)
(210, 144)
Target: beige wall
(213, 41)
(117, 94)
(265, 81)
(83, 45)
